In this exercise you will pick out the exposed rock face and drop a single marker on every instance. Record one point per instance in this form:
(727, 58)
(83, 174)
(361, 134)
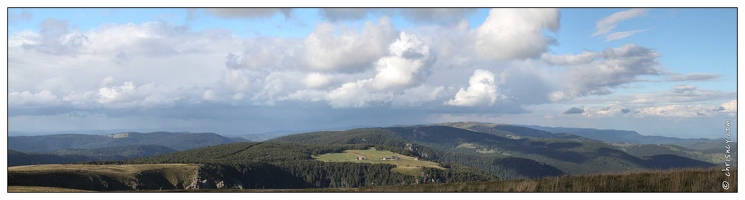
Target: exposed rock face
(213, 180)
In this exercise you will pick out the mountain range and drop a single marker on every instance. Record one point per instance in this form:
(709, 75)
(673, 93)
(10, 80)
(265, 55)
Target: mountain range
(462, 152)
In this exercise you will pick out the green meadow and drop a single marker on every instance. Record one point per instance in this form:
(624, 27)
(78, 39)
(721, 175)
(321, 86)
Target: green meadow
(404, 164)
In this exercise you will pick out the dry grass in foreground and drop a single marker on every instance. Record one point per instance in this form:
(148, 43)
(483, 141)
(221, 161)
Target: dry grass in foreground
(38, 189)
(683, 180)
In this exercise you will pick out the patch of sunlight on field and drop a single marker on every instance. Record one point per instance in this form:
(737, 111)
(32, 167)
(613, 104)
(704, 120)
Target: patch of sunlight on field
(466, 146)
(404, 165)
(485, 151)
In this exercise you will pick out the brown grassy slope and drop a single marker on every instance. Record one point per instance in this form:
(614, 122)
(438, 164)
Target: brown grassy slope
(103, 177)
(38, 189)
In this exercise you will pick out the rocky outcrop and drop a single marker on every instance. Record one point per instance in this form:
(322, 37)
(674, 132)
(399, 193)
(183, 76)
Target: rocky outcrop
(213, 180)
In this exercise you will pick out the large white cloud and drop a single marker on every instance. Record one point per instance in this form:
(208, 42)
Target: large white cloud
(481, 91)
(407, 65)
(516, 33)
(316, 80)
(336, 47)
(264, 53)
(356, 94)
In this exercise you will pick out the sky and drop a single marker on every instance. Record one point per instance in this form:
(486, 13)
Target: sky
(236, 71)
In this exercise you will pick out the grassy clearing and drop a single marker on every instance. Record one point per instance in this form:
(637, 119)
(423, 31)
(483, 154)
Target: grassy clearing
(485, 151)
(466, 145)
(405, 164)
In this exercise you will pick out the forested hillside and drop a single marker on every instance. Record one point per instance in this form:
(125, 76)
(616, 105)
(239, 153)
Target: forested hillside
(16, 158)
(285, 165)
(509, 158)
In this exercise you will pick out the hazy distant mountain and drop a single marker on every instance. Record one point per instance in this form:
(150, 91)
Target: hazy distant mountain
(260, 137)
(612, 135)
(510, 131)
(85, 155)
(118, 152)
(177, 141)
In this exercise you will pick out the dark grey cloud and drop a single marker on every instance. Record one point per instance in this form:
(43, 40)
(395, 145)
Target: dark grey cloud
(695, 77)
(120, 58)
(574, 110)
(342, 14)
(683, 89)
(625, 110)
(22, 16)
(436, 15)
(57, 38)
(248, 13)
(525, 84)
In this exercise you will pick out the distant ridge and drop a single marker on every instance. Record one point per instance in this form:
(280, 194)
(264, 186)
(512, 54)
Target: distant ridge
(173, 140)
(612, 135)
(66, 156)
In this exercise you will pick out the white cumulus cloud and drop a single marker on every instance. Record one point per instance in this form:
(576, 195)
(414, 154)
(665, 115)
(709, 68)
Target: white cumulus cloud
(316, 80)
(406, 66)
(332, 47)
(481, 91)
(510, 33)
(730, 106)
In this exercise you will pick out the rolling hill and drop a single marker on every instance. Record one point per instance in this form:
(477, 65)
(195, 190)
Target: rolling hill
(509, 157)
(285, 165)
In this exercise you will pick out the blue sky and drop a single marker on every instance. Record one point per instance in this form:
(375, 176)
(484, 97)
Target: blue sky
(222, 70)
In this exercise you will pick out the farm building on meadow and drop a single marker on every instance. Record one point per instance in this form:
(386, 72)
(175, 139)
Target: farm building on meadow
(390, 158)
